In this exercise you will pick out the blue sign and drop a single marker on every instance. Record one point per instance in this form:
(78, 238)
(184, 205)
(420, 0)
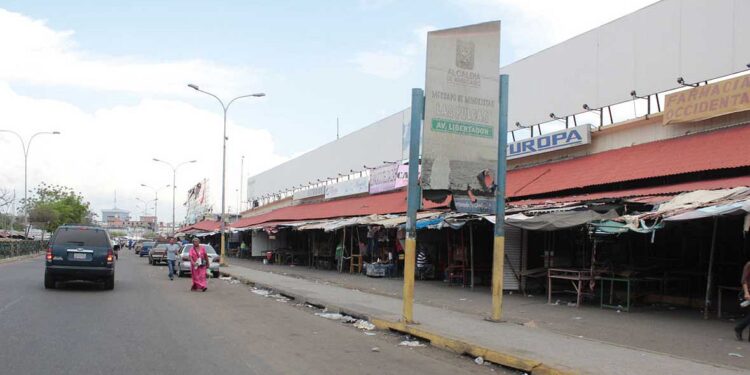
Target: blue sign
(579, 135)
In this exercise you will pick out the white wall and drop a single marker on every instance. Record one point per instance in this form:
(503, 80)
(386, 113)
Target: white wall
(644, 51)
(370, 146)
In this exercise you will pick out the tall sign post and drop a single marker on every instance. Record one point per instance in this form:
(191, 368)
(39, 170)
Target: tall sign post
(498, 248)
(413, 201)
(460, 134)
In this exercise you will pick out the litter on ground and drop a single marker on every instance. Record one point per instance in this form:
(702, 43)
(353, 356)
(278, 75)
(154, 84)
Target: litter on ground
(413, 344)
(336, 316)
(738, 355)
(225, 278)
(363, 324)
(479, 360)
(261, 292)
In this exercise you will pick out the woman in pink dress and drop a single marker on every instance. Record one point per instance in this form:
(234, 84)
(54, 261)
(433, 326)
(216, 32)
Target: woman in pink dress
(198, 265)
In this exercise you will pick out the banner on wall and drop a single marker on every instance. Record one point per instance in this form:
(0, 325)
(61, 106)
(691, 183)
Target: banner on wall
(704, 102)
(348, 187)
(389, 177)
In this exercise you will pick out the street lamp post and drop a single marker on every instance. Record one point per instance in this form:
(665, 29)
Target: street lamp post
(242, 177)
(26, 146)
(156, 203)
(224, 161)
(174, 183)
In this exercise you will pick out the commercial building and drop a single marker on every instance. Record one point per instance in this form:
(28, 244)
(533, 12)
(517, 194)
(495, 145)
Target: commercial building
(627, 175)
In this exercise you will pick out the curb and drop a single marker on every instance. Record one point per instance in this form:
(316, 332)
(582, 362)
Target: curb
(20, 257)
(531, 366)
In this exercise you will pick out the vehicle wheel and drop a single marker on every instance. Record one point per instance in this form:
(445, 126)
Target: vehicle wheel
(109, 283)
(150, 261)
(216, 274)
(49, 281)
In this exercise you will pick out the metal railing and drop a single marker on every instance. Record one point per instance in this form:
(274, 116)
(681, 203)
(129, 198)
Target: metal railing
(10, 249)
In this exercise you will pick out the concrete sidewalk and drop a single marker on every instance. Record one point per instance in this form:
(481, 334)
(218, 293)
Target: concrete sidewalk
(527, 348)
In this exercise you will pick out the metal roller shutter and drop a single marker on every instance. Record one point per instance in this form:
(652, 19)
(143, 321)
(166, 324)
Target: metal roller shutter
(513, 246)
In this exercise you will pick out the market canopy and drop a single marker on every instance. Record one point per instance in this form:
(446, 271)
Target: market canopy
(736, 208)
(557, 220)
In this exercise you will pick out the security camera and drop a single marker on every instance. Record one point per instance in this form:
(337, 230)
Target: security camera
(633, 94)
(680, 80)
(586, 107)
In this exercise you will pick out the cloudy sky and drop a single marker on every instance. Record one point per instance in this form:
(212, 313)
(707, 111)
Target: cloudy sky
(111, 77)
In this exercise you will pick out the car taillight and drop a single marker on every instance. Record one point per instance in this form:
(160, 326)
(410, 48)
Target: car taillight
(49, 254)
(110, 256)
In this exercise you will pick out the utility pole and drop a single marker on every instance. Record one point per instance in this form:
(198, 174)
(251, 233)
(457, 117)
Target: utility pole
(242, 177)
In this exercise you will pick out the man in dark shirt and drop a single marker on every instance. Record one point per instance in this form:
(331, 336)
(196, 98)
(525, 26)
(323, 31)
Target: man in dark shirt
(742, 324)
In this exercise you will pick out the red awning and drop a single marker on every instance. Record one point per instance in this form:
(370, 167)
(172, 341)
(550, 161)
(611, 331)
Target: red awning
(202, 226)
(381, 204)
(722, 183)
(720, 149)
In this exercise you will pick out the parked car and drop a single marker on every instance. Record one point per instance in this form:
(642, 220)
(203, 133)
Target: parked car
(78, 252)
(145, 248)
(137, 247)
(183, 260)
(158, 254)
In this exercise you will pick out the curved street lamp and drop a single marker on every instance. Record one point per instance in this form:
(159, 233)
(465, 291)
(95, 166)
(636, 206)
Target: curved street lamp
(26, 146)
(224, 160)
(174, 183)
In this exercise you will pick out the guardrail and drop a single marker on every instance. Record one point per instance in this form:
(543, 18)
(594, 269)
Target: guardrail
(10, 249)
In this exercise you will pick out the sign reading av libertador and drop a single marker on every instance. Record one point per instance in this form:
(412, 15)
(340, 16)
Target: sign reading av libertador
(461, 108)
(576, 136)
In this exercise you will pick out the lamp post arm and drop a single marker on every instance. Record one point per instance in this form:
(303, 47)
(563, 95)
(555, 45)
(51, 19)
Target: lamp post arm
(239, 97)
(225, 107)
(23, 144)
(28, 145)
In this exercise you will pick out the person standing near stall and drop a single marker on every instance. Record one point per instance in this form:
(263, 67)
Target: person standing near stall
(744, 322)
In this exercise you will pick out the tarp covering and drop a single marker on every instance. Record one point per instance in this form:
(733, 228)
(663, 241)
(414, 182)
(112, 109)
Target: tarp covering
(736, 208)
(557, 220)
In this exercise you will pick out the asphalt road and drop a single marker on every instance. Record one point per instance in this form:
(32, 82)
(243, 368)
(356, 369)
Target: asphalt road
(150, 325)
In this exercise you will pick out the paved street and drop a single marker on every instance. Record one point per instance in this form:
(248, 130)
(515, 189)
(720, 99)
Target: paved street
(149, 325)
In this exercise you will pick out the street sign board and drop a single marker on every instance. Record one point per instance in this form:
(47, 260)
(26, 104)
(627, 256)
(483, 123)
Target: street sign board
(459, 150)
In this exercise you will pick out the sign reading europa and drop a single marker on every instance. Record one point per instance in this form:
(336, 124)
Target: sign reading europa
(579, 135)
(704, 102)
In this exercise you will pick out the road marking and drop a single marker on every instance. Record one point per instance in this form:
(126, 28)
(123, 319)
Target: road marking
(9, 304)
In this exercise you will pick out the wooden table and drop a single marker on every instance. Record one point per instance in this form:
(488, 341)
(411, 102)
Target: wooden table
(629, 290)
(576, 278)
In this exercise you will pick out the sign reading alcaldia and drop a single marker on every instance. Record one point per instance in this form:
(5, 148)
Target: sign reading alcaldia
(459, 150)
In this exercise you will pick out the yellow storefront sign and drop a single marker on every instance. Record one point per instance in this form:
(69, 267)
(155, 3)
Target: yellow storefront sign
(703, 102)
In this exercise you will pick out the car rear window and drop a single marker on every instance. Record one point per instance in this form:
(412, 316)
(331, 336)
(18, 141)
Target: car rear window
(149, 244)
(209, 249)
(81, 237)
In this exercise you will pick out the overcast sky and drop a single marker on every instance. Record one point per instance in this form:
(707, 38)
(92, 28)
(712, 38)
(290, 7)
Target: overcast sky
(111, 77)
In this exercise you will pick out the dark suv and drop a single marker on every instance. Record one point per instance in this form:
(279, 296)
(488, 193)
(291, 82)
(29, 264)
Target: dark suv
(78, 252)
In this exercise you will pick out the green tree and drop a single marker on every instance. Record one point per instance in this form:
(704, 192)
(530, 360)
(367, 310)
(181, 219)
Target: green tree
(117, 233)
(50, 206)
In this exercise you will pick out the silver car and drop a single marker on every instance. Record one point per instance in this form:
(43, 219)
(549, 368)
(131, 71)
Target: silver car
(183, 260)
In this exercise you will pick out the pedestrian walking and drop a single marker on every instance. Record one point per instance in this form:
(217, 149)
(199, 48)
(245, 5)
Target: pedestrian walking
(172, 250)
(744, 322)
(198, 265)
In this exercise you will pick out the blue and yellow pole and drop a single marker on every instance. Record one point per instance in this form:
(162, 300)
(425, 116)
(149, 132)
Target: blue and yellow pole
(413, 200)
(498, 252)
